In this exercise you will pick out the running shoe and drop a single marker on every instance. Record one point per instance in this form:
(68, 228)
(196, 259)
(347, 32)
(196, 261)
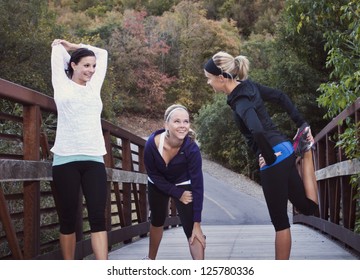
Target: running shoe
(303, 147)
(300, 144)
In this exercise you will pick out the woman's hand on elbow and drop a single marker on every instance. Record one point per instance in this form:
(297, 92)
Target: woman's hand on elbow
(186, 197)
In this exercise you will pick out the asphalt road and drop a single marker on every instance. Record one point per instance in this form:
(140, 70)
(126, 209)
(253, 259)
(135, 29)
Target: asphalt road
(226, 205)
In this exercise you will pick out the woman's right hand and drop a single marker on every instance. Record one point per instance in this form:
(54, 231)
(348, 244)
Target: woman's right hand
(186, 197)
(262, 161)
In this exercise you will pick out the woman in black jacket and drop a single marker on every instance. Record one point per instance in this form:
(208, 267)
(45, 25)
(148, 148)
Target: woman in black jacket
(280, 179)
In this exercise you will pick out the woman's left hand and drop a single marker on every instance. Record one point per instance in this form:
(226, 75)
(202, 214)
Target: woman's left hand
(186, 197)
(198, 234)
(310, 137)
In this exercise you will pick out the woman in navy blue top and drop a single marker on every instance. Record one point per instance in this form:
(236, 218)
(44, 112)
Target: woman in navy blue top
(280, 179)
(174, 167)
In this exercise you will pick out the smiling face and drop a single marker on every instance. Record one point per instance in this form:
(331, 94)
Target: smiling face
(178, 124)
(84, 70)
(216, 82)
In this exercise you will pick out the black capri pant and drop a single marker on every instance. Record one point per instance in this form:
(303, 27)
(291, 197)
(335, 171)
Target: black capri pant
(281, 183)
(159, 206)
(68, 178)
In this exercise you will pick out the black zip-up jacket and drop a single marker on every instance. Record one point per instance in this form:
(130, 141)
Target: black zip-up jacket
(253, 120)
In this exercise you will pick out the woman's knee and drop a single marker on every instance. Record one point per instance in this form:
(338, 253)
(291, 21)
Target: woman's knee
(97, 224)
(157, 220)
(280, 227)
(67, 227)
(280, 222)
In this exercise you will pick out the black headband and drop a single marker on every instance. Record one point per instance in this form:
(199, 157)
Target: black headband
(211, 68)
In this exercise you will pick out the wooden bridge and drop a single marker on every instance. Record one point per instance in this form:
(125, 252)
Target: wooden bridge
(28, 217)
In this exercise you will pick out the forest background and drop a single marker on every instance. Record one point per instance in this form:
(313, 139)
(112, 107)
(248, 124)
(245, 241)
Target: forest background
(308, 49)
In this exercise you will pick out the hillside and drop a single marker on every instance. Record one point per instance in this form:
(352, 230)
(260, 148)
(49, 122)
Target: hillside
(139, 125)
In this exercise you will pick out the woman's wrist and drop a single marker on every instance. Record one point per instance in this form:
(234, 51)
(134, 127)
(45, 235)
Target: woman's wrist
(76, 46)
(197, 224)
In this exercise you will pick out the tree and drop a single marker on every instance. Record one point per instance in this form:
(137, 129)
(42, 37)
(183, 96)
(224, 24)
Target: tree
(342, 42)
(296, 62)
(26, 32)
(136, 48)
(193, 39)
(340, 23)
(257, 16)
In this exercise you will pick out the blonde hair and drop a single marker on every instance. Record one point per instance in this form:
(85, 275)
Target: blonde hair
(171, 109)
(237, 67)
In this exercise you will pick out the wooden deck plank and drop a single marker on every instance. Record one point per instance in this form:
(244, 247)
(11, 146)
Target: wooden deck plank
(239, 242)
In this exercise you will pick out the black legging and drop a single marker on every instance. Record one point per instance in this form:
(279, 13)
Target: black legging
(91, 177)
(159, 205)
(281, 183)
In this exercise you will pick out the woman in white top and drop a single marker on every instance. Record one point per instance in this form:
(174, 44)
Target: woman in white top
(79, 144)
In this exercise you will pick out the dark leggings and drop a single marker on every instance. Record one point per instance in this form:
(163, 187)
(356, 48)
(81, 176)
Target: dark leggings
(68, 178)
(159, 206)
(281, 183)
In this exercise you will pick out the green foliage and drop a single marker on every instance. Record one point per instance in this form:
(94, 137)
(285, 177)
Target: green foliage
(344, 60)
(350, 144)
(11, 128)
(297, 62)
(193, 39)
(26, 29)
(348, 141)
(135, 47)
(158, 7)
(339, 20)
(256, 16)
(336, 25)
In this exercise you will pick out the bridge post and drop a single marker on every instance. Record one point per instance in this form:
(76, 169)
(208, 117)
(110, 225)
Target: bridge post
(127, 166)
(31, 146)
(9, 228)
(142, 188)
(108, 160)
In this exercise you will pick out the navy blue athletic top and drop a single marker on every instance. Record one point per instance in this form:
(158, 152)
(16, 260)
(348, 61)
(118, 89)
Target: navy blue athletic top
(253, 120)
(185, 166)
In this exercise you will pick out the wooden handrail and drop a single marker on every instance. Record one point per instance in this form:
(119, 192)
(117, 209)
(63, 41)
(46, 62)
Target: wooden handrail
(28, 214)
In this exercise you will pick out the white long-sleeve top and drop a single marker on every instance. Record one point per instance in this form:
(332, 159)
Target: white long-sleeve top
(79, 130)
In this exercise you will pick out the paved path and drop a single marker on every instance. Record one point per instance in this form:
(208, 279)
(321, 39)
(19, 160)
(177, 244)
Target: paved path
(239, 242)
(226, 204)
(237, 226)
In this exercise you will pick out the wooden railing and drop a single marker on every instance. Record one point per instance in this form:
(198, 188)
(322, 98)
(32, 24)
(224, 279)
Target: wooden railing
(28, 217)
(338, 199)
